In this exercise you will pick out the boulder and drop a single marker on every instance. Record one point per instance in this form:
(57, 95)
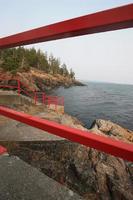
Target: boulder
(108, 128)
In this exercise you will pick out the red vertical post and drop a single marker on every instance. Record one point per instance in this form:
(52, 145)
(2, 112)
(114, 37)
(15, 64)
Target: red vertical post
(56, 103)
(35, 97)
(49, 101)
(19, 88)
(43, 98)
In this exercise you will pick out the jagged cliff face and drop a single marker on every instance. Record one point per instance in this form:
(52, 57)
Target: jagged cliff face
(92, 174)
(38, 80)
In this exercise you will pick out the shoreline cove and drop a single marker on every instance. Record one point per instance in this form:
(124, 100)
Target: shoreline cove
(112, 102)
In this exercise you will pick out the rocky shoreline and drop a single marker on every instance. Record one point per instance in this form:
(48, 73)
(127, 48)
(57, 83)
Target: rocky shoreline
(92, 174)
(39, 80)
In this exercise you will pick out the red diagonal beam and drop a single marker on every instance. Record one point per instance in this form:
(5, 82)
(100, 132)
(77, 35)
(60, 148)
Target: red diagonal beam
(105, 144)
(108, 20)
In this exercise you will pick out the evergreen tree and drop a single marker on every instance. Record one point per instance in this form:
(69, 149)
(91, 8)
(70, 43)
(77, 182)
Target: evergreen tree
(54, 64)
(22, 59)
(9, 60)
(42, 61)
(72, 74)
(64, 70)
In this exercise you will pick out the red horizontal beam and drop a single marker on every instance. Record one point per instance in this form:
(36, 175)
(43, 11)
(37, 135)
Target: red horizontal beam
(105, 144)
(7, 86)
(108, 20)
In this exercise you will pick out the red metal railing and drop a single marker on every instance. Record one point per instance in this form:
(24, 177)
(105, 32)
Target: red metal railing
(21, 87)
(87, 138)
(18, 85)
(52, 100)
(108, 20)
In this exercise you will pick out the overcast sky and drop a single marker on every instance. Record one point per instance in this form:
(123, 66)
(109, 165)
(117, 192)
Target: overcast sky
(98, 57)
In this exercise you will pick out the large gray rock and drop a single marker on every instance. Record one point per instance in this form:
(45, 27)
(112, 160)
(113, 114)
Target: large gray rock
(108, 128)
(20, 181)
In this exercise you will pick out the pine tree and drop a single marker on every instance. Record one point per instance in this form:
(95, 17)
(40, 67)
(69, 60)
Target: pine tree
(23, 59)
(72, 74)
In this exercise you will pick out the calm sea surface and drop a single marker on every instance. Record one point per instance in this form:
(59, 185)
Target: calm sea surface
(99, 100)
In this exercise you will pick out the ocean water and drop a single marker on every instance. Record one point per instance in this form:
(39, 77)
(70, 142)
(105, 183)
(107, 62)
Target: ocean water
(99, 101)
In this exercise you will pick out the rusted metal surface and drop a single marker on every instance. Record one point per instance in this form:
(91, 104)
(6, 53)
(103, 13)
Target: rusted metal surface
(105, 144)
(108, 20)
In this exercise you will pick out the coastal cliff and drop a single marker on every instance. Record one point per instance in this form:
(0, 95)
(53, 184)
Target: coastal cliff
(38, 80)
(35, 68)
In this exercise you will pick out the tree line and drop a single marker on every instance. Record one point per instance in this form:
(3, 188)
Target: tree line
(22, 59)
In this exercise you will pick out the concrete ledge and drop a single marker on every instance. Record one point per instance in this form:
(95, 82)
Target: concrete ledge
(16, 131)
(12, 98)
(20, 181)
